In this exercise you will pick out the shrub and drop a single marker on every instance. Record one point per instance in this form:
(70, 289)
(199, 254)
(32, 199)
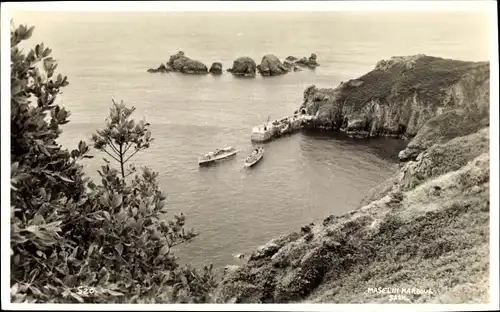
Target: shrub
(73, 240)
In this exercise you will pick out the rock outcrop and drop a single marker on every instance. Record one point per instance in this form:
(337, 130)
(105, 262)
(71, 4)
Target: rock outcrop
(400, 95)
(439, 129)
(271, 66)
(216, 68)
(243, 66)
(161, 69)
(182, 64)
(293, 63)
(309, 62)
(425, 231)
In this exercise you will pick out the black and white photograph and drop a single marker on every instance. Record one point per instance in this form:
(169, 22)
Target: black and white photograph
(259, 156)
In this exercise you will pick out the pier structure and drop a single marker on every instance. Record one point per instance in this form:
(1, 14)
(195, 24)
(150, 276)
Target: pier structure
(279, 127)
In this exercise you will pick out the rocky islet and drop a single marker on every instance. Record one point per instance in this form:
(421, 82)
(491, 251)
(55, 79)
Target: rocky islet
(243, 66)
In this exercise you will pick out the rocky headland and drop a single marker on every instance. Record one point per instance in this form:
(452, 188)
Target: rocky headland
(425, 230)
(400, 95)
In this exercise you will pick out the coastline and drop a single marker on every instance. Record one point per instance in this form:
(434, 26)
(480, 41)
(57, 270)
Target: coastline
(432, 215)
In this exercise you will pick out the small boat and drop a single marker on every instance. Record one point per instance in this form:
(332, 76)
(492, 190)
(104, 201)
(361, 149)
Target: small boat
(217, 155)
(254, 158)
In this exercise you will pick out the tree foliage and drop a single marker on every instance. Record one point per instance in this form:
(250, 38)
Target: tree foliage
(121, 134)
(73, 240)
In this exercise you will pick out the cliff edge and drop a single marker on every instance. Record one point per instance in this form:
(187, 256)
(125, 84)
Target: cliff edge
(425, 231)
(400, 95)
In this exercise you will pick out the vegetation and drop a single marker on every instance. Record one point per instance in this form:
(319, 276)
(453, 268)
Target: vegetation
(428, 77)
(71, 239)
(418, 239)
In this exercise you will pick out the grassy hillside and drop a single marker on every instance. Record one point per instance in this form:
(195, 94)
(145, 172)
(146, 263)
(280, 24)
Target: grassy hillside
(430, 233)
(426, 227)
(428, 76)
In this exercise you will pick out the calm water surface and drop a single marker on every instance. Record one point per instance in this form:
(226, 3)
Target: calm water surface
(304, 177)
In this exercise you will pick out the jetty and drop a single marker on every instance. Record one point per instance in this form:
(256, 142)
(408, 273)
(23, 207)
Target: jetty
(279, 127)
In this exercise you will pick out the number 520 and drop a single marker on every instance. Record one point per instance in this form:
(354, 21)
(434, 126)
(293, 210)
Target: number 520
(83, 290)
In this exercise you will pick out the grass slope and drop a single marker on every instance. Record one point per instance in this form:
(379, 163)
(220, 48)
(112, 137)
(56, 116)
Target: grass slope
(428, 76)
(428, 232)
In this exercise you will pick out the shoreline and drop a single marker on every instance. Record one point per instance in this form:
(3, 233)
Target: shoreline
(412, 217)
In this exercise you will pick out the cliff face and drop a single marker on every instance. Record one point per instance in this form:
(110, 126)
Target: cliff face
(426, 227)
(400, 95)
(430, 232)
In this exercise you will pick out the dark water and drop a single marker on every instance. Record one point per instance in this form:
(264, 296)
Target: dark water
(304, 177)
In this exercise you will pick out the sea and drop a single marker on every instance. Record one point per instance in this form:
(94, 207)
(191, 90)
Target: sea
(304, 177)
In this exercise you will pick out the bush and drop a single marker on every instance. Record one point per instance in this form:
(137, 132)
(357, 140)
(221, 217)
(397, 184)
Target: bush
(73, 240)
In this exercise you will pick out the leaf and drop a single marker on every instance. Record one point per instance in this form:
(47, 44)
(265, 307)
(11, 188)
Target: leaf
(163, 251)
(58, 269)
(81, 146)
(32, 229)
(36, 291)
(232, 300)
(184, 280)
(114, 293)
(104, 199)
(13, 167)
(38, 50)
(106, 215)
(119, 248)
(38, 219)
(43, 193)
(65, 179)
(73, 254)
(91, 249)
(46, 52)
(121, 215)
(20, 298)
(29, 32)
(117, 200)
(77, 297)
(112, 286)
(142, 207)
(103, 280)
(13, 289)
(131, 223)
(20, 177)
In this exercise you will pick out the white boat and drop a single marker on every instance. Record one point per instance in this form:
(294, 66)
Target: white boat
(217, 155)
(254, 158)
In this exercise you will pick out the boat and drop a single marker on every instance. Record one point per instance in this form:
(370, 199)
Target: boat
(218, 154)
(255, 157)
